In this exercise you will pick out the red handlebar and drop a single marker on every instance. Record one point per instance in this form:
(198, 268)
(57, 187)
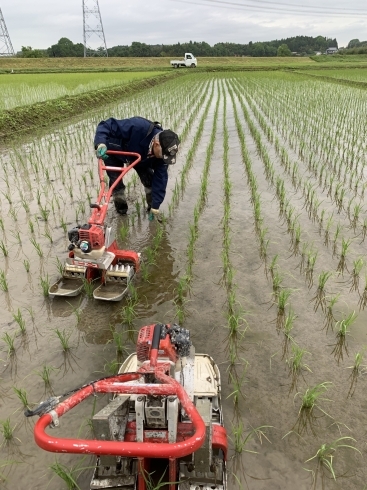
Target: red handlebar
(121, 448)
(99, 212)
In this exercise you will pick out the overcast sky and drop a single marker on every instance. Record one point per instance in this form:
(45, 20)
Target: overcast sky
(41, 23)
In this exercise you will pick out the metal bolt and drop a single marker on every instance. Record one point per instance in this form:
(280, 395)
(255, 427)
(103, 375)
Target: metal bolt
(139, 399)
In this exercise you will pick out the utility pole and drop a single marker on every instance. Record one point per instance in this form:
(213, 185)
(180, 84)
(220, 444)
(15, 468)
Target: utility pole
(6, 47)
(92, 27)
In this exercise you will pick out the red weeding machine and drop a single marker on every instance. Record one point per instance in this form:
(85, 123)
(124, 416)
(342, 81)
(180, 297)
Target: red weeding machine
(93, 252)
(163, 424)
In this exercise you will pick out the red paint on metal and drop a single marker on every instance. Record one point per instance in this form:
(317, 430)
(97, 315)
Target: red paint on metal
(127, 449)
(99, 214)
(219, 439)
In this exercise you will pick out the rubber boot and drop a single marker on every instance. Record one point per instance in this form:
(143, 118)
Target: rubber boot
(148, 197)
(120, 201)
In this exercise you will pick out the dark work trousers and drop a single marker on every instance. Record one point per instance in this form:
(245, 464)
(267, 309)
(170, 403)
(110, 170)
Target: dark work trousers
(143, 169)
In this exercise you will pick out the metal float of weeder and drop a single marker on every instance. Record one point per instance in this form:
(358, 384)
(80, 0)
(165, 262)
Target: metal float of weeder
(163, 422)
(93, 252)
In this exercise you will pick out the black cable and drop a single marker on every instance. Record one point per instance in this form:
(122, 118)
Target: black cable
(240, 6)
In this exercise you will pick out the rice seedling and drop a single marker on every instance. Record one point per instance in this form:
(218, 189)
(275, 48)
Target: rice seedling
(68, 475)
(329, 313)
(37, 246)
(240, 440)
(45, 375)
(325, 459)
(16, 235)
(357, 369)
(9, 342)
(124, 231)
(45, 285)
(327, 231)
(4, 286)
(310, 265)
(88, 287)
(343, 255)
(64, 225)
(64, 337)
(296, 365)
(118, 340)
(341, 345)
(128, 312)
(7, 432)
(22, 395)
(144, 271)
(137, 208)
(152, 483)
(277, 282)
(282, 302)
(237, 326)
(236, 383)
(310, 399)
(47, 234)
(357, 268)
(320, 297)
(336, 235)
(4, 249)
(31, 226)
(27, 265)
(44, 212)
(111, 366)
(287, 329)
(18, 317)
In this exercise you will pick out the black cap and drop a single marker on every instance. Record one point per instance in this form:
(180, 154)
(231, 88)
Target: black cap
(169, 142)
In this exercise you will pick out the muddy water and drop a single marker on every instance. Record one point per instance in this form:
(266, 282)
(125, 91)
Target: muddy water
(278, 460)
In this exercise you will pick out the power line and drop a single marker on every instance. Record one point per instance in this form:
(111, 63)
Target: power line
(241, 6)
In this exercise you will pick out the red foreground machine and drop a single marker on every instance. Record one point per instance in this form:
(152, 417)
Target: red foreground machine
(163, 423)
(93, 252)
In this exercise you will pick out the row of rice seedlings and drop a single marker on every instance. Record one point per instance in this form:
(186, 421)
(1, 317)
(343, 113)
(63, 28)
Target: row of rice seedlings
(235, 319)
(180, 185)
(180, 307)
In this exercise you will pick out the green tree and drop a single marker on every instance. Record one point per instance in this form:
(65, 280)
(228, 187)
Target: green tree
(66, 48)
(353, 43)
(283, 50)
(29, 52)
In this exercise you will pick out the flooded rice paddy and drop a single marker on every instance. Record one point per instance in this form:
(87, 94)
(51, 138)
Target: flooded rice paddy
(261, 255)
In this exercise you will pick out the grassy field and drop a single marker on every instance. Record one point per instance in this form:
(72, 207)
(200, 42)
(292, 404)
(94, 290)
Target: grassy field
(24, 89)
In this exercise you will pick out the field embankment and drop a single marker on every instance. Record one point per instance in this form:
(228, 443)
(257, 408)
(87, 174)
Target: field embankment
(20, 120)
(34, 65)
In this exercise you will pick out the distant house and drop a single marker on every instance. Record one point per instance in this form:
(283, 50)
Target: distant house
(332, 50)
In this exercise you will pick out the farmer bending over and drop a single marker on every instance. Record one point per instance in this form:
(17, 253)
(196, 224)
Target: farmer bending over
(157, 148)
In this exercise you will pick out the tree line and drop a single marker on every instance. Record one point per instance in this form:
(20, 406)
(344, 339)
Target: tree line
(302, 45)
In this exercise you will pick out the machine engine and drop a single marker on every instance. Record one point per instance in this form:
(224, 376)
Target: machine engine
(86, 237)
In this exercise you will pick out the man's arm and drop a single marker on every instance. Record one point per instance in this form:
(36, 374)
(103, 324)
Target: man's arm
(159, 184)
(111, 128)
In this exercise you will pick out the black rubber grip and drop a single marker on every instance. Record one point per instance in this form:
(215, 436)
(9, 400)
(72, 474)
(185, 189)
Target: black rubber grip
(156, 336)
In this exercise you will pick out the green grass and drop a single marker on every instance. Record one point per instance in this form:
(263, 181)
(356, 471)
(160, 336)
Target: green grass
(21, 89)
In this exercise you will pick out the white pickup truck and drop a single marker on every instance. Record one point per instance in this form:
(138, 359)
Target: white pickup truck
(189, 60)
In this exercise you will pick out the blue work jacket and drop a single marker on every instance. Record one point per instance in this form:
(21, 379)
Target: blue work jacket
(135, 134)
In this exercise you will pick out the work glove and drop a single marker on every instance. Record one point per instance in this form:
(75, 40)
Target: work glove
(154, 213)
(101, 151)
